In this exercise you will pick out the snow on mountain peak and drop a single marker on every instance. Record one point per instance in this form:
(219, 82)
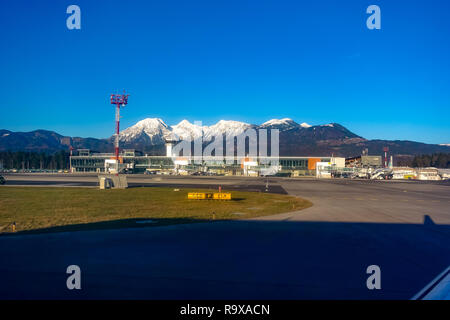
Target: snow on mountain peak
(284, 121)
(225, 126)
(149, 126)
(155, 130)
(187, 130)
(184, 122)
(150, 123)
(230, 123)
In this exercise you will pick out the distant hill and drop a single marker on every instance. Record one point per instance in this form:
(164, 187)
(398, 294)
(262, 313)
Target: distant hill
(148, 136)
(48, 141)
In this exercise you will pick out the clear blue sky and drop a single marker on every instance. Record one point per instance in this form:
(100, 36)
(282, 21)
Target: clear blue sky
(312, 61)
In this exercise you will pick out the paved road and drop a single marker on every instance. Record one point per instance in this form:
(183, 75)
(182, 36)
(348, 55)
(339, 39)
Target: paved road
(318, 253)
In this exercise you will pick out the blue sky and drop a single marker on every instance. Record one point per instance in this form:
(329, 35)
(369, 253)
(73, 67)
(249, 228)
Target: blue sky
(312, 61)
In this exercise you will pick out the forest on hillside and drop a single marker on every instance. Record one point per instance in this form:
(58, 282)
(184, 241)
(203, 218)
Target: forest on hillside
(34, 160)
(437, 160)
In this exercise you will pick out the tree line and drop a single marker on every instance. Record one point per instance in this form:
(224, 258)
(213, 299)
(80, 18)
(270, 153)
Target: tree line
(22, 160)
(437, 160)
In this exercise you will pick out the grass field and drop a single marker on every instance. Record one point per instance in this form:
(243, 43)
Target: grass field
(64, 209)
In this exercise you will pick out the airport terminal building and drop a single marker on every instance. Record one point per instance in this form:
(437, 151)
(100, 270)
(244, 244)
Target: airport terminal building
(132, 161)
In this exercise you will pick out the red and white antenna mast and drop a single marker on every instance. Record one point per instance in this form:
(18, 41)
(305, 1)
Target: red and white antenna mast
(120, 100)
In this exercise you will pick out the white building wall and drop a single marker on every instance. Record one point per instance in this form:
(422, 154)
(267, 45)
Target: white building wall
(338, 162)
(168, 149)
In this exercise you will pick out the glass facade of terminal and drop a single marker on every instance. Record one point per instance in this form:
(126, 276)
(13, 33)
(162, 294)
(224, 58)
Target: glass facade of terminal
(134, 162)
(292, 166)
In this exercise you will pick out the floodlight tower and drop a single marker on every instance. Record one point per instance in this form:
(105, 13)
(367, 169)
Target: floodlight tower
(120, 100)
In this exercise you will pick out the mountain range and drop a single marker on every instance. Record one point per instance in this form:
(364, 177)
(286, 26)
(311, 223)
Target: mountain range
(148, 136)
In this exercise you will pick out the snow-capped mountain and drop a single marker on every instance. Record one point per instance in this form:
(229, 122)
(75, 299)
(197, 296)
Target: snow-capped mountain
(150, 130)
(225, 127)
(187, 130)
(148, 136)
(153, 131)
(284, 124)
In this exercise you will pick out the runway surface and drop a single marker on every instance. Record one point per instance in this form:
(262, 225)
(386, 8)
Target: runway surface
(318, 253)
(91, 180)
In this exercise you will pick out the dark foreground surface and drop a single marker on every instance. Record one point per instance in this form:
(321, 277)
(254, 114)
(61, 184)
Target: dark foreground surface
(318, 253)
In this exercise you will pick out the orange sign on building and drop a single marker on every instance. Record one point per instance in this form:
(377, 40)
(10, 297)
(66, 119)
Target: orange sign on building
(312, 163)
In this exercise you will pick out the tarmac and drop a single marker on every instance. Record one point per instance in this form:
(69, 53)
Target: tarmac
(318, 253)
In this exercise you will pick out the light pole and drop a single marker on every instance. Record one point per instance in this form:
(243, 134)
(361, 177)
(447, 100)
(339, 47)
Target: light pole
(120, 100)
